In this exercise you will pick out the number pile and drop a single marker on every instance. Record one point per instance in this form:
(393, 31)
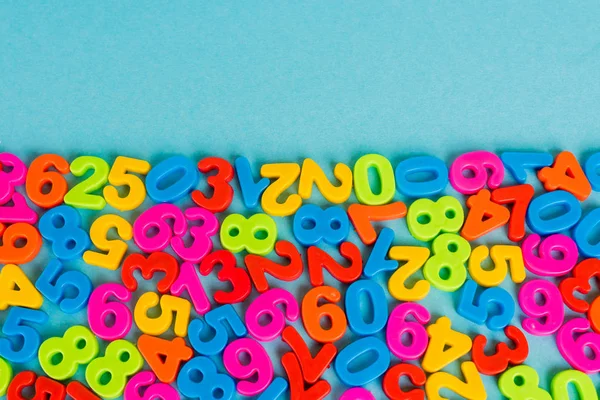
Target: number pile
(183, 330)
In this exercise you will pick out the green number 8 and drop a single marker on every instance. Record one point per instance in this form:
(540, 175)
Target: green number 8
(451, 251)
(108, 375)
(61, 356)
(256, 234)
(522, 383)
(426, 219)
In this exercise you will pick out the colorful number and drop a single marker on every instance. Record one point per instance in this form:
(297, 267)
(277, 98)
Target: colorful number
(156, 262)
(60, 357)
(376, 298)
(285, 174)
(362, 186)
(259, 367)
(445, 345)
(251, 190)
(99, 309)
(116, 248)
(398, 326)
(432, 166)
(313, 174)
(164, 356)
(121, 174)
(161, 323)
(545, 264)
(256, 234)
(153, 391)
(17, 290)
(312, 225)
(188, 280)
(476, 309)
(29, 338)
(498, 362)
(208, 385)
(362, 215)
(318, 260)
(503, 257)
(312, 314)
(364, 374)
(215, 319)
(54, 284)
(522, 382)
(177, 166)
(38, 177)
(266, 304)
(80, 195)
(237, 277)
(479, 163)
(62, 227)
(541, 221)
(415, 258)
(258, 266)
(574, 350)
(471, 389)
(391, 382)
(108, 375)
(551, 311)
(426, 218)
(446, 269)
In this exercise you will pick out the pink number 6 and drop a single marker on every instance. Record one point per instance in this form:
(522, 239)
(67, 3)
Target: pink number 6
(552, 308)
(267, 303)
(357, 393)
(574, 350)
(478, 162)
(259, 364)
(155, 217)
(158, 391)
(545, 264)
(398, 326)
(99, 309)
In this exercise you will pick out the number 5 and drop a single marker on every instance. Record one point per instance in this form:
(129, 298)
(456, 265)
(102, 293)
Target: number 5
(121, 175)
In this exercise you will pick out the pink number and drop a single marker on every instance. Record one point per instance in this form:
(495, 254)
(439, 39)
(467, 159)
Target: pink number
(398, 326)
(551, 310)
(188, 280)
(19, 212)
(99, 309)
(545, 264)
(146, 379)
(8, 180)
(267, 303)
(156, 217)
(478, 162)
(357, 393)
(574, 351)
(260, 367)
(202, 243)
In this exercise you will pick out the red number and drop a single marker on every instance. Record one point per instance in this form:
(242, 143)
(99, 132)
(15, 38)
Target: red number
(319, 259)
(222, 190)
(258, 266)
(312, 367)
(317, 391)
(498, 363)
(520, 196)
(484, 216)
(238, 277)
(391, 382)
(156, 262)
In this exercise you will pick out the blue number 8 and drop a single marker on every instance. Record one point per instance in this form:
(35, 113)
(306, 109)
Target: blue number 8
(209, 385)
(56, 292)
(312, 225)
(62, 227)
(30, 337)
(215, 319)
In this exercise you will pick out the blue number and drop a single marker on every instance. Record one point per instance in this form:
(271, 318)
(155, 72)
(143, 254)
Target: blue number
(419, 165)
(215, 319)
(250, 189)
(569, 204)
(363, 374)
(378, 260)
(56, 292)
(517, 162)
(62, 227)
(376, 296)
(583, 231)
(591, 171)
(199, 379)
(30, 337)
(312, 225)
(155, 180)
(275, 390)
(476, 310)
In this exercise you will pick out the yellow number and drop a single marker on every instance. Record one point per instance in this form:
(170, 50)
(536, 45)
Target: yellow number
(169, 305)
(116, 248)
(121, 175)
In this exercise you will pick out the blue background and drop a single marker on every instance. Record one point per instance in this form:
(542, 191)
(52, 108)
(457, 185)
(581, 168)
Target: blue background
(281, 81)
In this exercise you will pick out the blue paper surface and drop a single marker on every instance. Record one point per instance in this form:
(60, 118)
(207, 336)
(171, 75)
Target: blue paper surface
(281, 81)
